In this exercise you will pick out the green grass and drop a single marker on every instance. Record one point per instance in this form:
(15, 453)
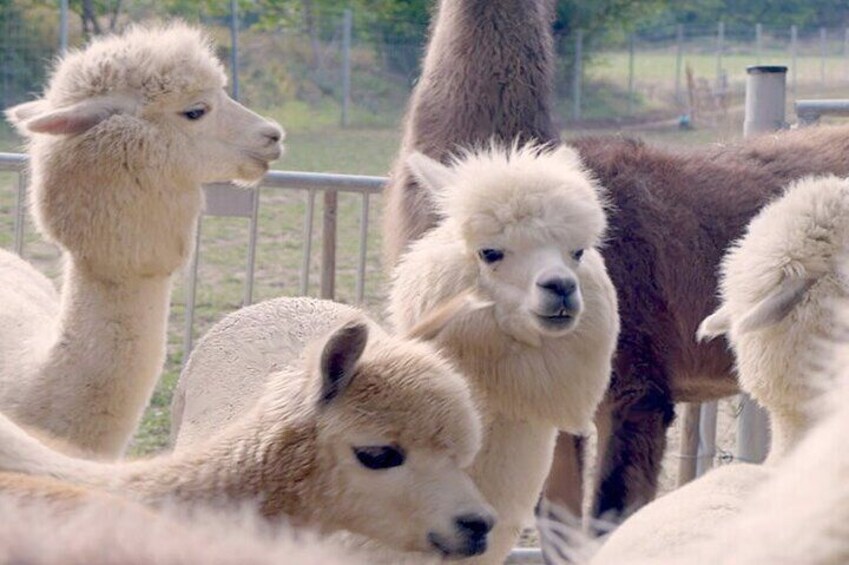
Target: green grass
(658, 66)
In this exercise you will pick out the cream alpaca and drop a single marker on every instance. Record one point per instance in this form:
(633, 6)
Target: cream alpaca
(125, 134)
(366, 433)
(799, 512)
(522, 225)
(780, 283)
(44, 522)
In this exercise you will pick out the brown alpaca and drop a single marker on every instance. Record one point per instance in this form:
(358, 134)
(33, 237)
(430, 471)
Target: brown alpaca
(459, 103)
(673, 216)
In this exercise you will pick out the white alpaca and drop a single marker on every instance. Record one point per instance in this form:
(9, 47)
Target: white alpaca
(364, 432)
(801, 515)
(780, 284)
(522, 226)
(797, 513)
(125, 134)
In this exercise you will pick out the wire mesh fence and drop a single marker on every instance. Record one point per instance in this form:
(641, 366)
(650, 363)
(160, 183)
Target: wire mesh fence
(296, 66)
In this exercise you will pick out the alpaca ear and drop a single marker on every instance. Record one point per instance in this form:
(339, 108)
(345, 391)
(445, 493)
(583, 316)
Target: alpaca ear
(39, 117)
(435, 321)
(430, 173)
(714, 325)
(339, 356)
(569, 155)
(777, 305)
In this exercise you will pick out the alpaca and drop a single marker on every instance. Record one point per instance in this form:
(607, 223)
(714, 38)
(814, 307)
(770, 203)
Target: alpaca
(125, 134)
(522, 225)
(469, 40)
(798, 512)
(367, 432)
(44, 521)
(801, 515)
(780, 283)
(666, 207)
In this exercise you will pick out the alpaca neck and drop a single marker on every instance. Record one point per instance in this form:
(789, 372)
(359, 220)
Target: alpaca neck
(270, 463)
(508, 101)
(99, 372)
(787, 429)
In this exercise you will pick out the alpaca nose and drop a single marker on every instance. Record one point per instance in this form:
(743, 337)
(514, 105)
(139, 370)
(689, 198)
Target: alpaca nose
(274, 133)
(475, 525)
(560, 286)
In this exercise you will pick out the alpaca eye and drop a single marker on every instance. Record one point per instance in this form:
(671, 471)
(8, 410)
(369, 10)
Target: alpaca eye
(576, 255)
(491, 255)
(379, 456)
(196, 112)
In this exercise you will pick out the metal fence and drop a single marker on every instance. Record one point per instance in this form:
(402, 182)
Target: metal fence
(361, 79)
(226, 200)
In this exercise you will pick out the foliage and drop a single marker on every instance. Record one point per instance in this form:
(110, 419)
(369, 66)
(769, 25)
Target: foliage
(768, 12)
(27, 41)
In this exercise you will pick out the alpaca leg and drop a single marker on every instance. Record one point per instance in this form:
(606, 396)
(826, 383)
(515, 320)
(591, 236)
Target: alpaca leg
(630, 464)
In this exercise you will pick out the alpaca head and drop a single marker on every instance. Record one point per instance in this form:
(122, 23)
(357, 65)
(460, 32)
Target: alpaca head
(395, 426)
(126, 132)
(779, 287)
(527, 218)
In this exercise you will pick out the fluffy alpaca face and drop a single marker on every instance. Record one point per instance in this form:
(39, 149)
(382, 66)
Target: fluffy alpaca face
(127, 131)
(527, 217)
(779, 285)
(396, 427)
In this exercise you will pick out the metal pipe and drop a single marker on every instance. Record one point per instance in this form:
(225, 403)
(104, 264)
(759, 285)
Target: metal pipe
(363, 249)
(252, 241)
(328, 244)
(309, 214)
(766, 93)
(20, 213)
(234, 44)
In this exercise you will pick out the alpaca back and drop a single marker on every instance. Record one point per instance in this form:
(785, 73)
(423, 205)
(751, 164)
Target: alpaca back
(30, 304)
(230, 366)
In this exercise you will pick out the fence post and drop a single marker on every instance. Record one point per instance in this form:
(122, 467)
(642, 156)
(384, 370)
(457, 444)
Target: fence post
(758, 41)
(234, 43)
(707, 438)
(630, 74)
(689, 443)
(823, 48)
(794, 46)
(328, 244)
(720, 41)
(63, 27)
(347, 24)
(577, 71)
(846, 50)
(765, 101)
(20, 212)
(679, 58)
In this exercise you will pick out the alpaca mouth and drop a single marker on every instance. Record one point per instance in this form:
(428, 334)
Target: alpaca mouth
(263, 159)
(559, 321)
(475, 545)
